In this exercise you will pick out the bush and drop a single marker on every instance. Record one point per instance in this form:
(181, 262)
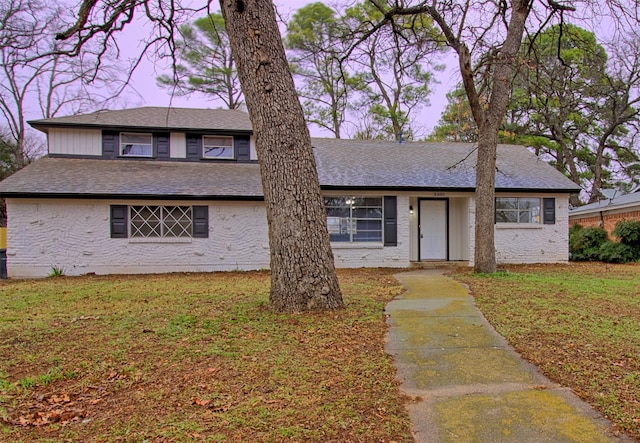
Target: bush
(593, 244)
(585, 243)
(628, 231)
(617, 252)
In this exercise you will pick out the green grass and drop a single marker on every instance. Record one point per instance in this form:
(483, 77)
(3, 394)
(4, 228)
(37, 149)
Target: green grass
(579, 323)
(194, 357)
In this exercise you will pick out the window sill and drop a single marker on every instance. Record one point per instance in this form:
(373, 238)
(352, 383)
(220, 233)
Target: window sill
(160, 240)
(519, 226)
(356, 245)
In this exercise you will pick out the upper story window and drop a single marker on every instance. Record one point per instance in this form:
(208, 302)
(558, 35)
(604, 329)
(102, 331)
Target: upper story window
(216, 147)
(136, 145)
(517, 210)
(354, 219)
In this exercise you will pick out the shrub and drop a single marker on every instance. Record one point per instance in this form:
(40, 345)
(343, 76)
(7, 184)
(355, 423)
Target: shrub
(585, 243)
(628, 231)
(617, 252)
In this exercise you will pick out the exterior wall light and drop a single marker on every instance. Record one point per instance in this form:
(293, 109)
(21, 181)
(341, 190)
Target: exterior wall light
(411, 209)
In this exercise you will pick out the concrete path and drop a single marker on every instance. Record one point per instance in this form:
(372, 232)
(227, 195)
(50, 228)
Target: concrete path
(466, 384)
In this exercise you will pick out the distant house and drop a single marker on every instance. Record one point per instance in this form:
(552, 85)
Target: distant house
(608, 212)
(161, 190)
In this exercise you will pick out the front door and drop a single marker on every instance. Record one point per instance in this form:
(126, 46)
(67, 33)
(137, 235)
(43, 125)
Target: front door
(433, 230)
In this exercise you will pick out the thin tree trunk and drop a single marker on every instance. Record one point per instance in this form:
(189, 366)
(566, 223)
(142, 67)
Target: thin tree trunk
(303, 275)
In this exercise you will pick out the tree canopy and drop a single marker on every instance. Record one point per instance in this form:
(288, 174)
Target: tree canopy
(205, 63)
(572, 104)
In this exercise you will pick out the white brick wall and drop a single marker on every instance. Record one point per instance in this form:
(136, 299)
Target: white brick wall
(360, 255)
(535, 243)
(75, 235)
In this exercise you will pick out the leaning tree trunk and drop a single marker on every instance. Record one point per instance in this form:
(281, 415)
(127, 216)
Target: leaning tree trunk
(303, 275)
(485, 251)
(489, 123)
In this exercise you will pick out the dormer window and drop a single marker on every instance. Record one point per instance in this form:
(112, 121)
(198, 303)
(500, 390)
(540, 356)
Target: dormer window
(136, 145)
(216, 147)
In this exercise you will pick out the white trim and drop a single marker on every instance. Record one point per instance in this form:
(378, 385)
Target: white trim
(121, 151)
(160, 239)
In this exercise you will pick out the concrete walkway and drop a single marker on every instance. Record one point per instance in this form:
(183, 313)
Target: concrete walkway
(466, 383)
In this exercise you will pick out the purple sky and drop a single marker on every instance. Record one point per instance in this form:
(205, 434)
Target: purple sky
(152, 95)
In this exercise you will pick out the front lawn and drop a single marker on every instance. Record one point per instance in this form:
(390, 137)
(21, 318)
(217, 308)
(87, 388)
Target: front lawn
(194, 357)
(579, 323)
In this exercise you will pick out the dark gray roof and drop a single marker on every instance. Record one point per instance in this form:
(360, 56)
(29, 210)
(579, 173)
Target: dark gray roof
(158, 118)
(134, 179)
(342, 164)
(383, 164)
(621, 202)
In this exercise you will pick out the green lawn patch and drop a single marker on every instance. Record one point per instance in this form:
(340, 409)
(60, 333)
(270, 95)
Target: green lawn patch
(194, 357)
(579, 323)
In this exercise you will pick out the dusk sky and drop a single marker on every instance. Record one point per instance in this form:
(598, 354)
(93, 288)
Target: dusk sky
(152, 95)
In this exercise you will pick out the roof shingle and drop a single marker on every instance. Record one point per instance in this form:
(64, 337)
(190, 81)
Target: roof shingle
(158, 118)
(342, 164)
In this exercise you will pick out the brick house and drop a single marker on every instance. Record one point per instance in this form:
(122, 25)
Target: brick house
(149, 190)
(608, 212)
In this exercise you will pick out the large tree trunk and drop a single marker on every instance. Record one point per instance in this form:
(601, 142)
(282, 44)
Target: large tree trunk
(303, 275)
(485, 251)
(489, 122)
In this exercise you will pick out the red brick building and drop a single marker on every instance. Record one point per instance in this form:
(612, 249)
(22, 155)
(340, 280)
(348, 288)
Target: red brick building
(606, 213)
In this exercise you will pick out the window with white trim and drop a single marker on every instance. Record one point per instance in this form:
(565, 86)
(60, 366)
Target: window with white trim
(518, 210)
(217, 147)
(160, 221)
(136, 145)
(354, 219)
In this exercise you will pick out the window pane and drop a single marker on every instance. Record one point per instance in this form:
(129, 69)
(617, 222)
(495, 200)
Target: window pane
(217, 141)
(354, 219)
(217, 152)
(160, 221)
(506, 203)
(367, 212)
(335, 201)
(368, 230)
(217, 147)
(137, 139)
(517, 210)
(138, 145)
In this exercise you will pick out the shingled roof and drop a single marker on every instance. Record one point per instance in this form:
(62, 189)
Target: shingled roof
(620, 202)
(154, 118)
(429, 166)
(342, 164)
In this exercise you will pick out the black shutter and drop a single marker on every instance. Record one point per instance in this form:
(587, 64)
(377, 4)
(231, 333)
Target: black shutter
(549, 211)
(201, 221)
(194, 147)
(161, 145)
(110, 142)
(242, 148)
(390, 220)
(119, 221)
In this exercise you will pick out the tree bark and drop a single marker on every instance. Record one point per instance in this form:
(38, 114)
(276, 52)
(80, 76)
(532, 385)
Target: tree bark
(303, 276)
(489, 123)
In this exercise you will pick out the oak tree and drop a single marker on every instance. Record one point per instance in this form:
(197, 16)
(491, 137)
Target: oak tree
(303, 276)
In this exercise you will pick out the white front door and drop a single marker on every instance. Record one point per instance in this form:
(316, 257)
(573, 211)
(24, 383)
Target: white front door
(433, 230)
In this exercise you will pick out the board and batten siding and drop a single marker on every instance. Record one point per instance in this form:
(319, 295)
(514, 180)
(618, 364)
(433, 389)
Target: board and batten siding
(70, 141)
(178, 144)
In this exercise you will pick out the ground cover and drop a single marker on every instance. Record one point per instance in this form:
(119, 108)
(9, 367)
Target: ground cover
(579, 323)
(194, 357)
